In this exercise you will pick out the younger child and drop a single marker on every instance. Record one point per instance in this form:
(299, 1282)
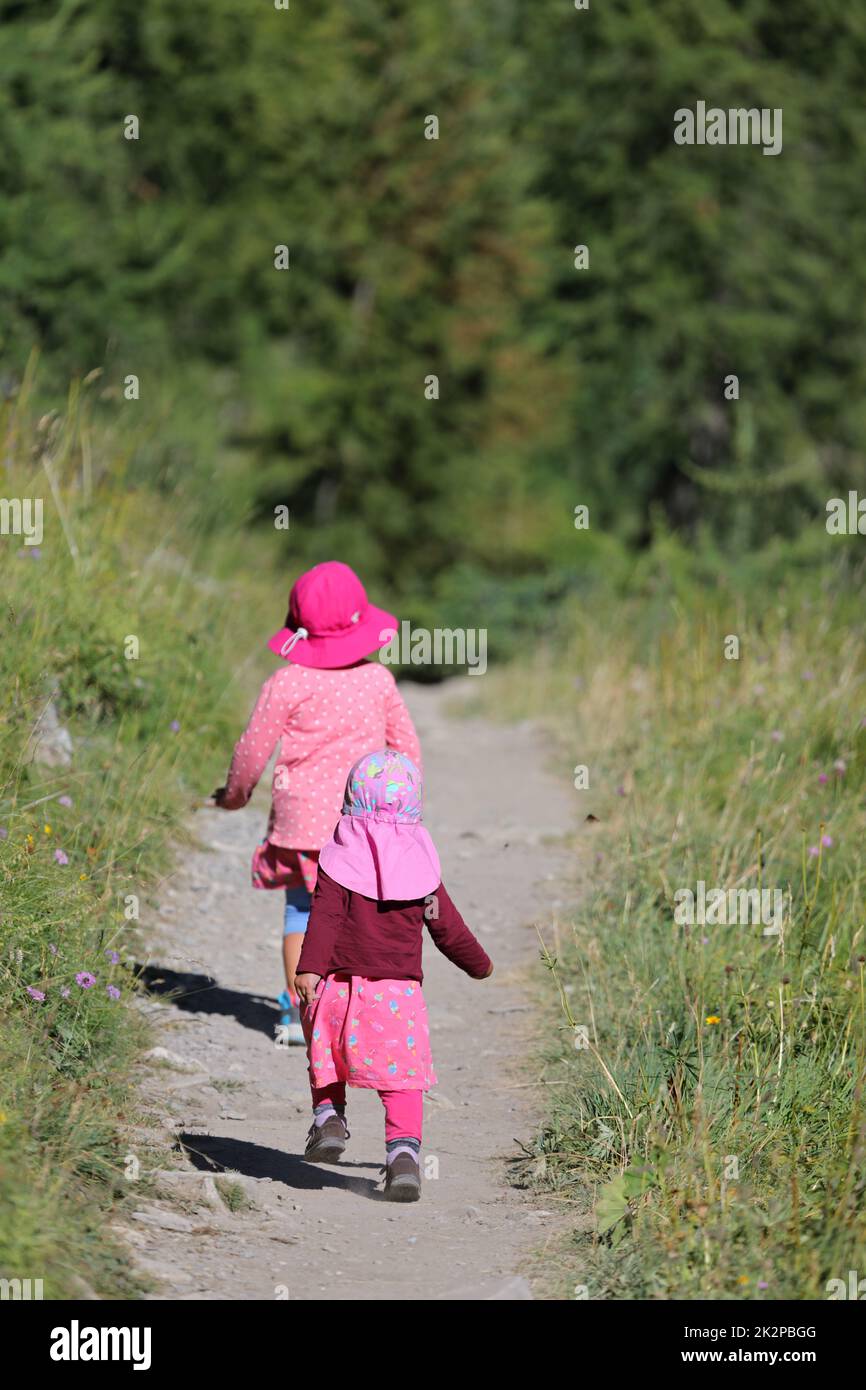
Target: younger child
(359, 974)
(323, 708)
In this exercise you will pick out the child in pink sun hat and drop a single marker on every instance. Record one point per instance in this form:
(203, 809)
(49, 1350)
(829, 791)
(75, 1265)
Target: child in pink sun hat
(359, 976)
(320, 709)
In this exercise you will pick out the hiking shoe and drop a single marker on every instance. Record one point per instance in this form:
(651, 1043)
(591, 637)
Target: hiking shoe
(402, 1179)
(289, 1031)
(326, 1142)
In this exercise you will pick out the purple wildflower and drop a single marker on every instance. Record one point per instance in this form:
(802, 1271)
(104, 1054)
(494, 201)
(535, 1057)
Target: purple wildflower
(813, 851)
(113, 957)
(827, 841)
(64, 993)
(174, 726)
(64, 801)
(35, 993)
(85, 979)
(60, 857)
(112, 991)
(776, 735)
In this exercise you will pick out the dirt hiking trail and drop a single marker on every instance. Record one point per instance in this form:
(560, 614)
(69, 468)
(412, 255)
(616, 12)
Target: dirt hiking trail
(244, 1217)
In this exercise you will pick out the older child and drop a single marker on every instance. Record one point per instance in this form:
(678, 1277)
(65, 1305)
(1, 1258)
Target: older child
(359, 975)
(322, 709)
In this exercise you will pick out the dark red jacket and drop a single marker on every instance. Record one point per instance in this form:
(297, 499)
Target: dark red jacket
(360, 936)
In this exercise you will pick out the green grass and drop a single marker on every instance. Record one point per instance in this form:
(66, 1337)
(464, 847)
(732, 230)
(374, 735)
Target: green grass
(708, 1139)
(234, 1195)
(83, 847)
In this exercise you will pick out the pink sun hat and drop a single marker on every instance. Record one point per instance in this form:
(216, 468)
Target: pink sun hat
(379, 847)
(330, 621)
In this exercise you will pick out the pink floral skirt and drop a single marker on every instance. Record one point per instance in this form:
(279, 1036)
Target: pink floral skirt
(369, 1033)
(274, 866)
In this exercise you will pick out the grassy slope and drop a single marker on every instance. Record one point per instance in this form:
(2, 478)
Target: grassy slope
(710, 1136)
(67, 1059)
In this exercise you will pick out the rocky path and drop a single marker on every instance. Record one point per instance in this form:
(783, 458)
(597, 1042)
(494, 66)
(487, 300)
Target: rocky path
(244, 1217)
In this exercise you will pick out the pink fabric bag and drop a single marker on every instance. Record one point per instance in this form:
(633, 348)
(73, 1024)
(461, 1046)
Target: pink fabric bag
(379, 847)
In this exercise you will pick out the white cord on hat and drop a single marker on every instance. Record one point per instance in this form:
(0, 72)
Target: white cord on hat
(287, 646)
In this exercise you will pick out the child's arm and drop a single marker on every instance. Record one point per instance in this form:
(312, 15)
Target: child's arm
(453, 938)
(399, 730)
(327, 913)
(256, 744)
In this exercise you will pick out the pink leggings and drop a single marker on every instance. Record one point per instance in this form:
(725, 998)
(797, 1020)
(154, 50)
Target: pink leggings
(403, 1109)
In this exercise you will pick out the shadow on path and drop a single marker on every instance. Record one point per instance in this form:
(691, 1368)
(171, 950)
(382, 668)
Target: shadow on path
(213, 1152)
(200, 994)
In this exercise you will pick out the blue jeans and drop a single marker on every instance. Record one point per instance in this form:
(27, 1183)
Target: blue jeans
(297, 913)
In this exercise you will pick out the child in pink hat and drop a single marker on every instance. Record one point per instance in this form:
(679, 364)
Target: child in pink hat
(359, 975)
(321, 709)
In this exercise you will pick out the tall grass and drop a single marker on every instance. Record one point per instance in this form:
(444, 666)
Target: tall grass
(116, 621)
(707, 1121)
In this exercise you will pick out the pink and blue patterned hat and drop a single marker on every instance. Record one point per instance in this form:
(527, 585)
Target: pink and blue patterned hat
(380, 847)
(385, 786)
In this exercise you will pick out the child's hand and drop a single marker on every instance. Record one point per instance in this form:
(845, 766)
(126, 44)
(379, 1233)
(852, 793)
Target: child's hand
(305, 987)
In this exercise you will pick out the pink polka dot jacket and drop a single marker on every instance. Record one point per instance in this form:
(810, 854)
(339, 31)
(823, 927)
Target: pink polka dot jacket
(321, 722)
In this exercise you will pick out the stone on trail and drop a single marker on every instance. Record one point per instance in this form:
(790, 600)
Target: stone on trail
(436, 1098)
(515, 1288)
(50, 741)
(174, 1059)
(165, 1220)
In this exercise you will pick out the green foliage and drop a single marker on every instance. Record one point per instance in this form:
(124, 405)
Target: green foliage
(413, 257)
(149, 731)
(708, 1043)
(409, 258)
(706, 261)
